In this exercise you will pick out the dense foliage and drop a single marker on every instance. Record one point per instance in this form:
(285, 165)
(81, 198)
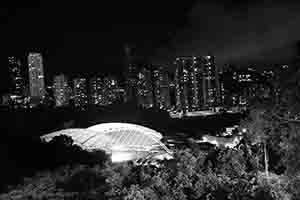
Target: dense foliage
(193, 174)
(23, 157)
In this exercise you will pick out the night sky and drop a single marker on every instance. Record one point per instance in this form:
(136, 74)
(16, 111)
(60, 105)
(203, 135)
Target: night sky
(85, 37)
(249, 32)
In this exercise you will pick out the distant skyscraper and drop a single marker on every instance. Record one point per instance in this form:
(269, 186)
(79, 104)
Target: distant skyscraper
(36, 76)
(80, 92)
(97, 91)
(161, 88)
(131, 72)
(238, 86)
(61, 90)
(112, 87)
(222, 88)
(16, 76)
(179, 88)
(229, 86)
(251, 84)
(17, 82)
(131, 82)
(187, 77)
(196, 83)
(145, 89)
(156, 87)
(165, 90)
(211, 84)
(105, 90)
(180, 98)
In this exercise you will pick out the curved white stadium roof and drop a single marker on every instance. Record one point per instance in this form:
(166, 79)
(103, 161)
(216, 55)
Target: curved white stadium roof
(109, 127)
(115, 137)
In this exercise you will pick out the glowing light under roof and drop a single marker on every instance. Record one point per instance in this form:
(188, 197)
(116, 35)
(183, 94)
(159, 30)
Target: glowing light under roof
(121, 157)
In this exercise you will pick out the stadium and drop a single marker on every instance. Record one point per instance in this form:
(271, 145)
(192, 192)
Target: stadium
(123, 141)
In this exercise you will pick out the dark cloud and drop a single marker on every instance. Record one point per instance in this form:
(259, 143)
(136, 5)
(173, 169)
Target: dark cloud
(251, 32)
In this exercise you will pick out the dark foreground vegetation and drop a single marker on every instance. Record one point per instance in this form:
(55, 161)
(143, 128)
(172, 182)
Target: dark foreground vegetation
(23, 157)
(61, 170)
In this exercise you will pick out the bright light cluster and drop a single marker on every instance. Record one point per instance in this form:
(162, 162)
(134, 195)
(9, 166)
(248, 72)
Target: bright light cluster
(122, 140)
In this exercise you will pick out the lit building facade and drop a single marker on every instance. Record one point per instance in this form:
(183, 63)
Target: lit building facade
(97, 95)
(165, 99)
(105, 91)
(240, 85)
(61, 90)
(161, 89)
(80, 92)
(211, 83)
(112, 89)
(188, 83)
(131, 82)
(145, 89)
(36, 76)
(229, 87)
(252, 84)
(178, 90)
(197, 84)
(17, 82)
(181, 81)
(131, 72)
(222, 88)
(16, 76)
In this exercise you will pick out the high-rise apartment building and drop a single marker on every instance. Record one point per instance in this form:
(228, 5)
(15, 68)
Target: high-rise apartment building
(181, 80)
(111, 89)
(211, 83)
(61, 90)
(17, 86)
(145, 88)
(80, 92)
(97, 95)
(105, 91)
(131, 82)
(36, 76)
(197, 83)
(17, 82)
(156, 87)
(130, 75)
(161, 88)
(187, 83)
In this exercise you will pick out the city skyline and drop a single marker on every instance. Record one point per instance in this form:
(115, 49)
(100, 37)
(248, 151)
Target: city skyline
(197, 84)
(195, 66)
(94, 41)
